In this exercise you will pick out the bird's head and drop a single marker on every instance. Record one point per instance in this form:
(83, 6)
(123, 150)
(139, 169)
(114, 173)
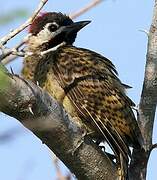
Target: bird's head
(53, 28)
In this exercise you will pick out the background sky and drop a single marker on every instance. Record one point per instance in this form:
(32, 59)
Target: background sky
(115, 33)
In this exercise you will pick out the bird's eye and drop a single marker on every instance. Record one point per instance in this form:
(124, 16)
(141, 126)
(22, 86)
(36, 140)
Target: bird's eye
(53, 27)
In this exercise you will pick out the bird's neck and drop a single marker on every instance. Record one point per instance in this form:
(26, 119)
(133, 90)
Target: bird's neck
(36, 45)
(33, 49)
(38, 52)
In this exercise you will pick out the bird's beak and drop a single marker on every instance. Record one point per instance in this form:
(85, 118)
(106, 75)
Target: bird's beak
(76, 26)
(70, 29)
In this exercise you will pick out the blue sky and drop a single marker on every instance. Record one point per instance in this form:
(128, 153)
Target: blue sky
(114, 32)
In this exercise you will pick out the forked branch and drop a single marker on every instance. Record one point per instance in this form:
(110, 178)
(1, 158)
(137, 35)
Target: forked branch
(9, 55)
(14, 32)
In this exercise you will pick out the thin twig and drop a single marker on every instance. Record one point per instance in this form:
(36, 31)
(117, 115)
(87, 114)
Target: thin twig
(9, 55)
(153, 147)
(12, 53)
(52, 49)
(8, 51)
(144, 31)
(89, 6)
(23, 26)
(15, 53)
(9, 59)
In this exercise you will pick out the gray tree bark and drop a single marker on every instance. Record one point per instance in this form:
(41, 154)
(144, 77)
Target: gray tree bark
(40, 113)
(147, 105)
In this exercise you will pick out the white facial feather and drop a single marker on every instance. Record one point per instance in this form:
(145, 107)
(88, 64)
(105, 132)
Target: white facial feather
(45, 35)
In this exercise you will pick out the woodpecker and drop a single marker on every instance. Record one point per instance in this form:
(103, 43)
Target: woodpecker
(84, 82)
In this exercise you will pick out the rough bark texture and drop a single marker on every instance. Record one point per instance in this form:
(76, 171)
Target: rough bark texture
(52, 125)
(147, 106)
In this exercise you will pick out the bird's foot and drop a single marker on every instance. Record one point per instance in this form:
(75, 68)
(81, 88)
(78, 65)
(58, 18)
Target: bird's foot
(80, 141)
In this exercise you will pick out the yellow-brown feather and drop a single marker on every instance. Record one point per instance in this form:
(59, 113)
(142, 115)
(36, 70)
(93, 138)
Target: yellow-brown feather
(86, 84)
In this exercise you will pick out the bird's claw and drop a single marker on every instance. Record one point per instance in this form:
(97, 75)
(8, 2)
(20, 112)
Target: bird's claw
(80, 141)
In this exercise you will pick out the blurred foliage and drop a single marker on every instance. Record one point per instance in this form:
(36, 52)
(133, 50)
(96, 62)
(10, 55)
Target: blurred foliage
(3, 78)
(14, 14)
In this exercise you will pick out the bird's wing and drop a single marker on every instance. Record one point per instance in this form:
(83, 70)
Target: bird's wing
(90, 82)
(96, 102)
(99, 104)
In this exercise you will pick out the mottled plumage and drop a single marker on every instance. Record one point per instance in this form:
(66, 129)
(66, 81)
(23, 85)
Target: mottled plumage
(87, 85)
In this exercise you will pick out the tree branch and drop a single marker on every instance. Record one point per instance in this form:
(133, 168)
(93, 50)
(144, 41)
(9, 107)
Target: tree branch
(154, 146)
(81, 11)
(8, 55)
(7, 52)
(148, 100)
(53, 126)
(147, 106)
(6, 38)
(13, 52)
